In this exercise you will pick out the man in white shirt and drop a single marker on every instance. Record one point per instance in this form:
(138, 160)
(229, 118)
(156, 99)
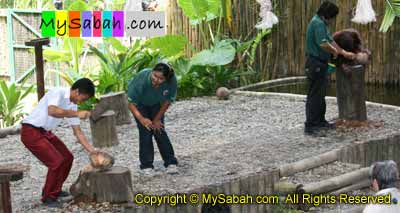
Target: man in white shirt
(36, 134)
(384, 177)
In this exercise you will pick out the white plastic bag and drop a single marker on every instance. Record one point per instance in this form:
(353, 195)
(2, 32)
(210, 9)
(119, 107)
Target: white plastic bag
(364, 12)
(268, 17)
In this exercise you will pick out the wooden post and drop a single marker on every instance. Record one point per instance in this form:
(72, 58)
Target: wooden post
(104, 132)
(5, 195)
(38, 44)
(113, 185)
(9, 172)
(118, 102)
(350, 93)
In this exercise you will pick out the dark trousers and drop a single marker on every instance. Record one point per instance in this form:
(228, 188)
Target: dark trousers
(146, 149)
(53, 153)
(316, 72)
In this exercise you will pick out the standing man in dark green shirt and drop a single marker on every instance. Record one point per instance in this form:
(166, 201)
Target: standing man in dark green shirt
(150, 93)
(320, 48)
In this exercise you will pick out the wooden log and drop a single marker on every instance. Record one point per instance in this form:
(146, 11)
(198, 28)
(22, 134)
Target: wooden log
(308, 163)
(104, 133)
(118, 102)
(360, 185)
(283, 188)
(113, 185)
(10, 131)
(351, 93)
(337, 182)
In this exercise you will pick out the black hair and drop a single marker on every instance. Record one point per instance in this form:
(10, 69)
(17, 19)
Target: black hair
(328, 10)
(84, 86)
(166, 70)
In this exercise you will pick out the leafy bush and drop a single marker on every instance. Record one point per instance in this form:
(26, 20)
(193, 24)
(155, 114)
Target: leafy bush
(10, 104)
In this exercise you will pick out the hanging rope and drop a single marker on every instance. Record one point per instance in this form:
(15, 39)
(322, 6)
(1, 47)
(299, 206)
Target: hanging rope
(268, 17)
(364, 12)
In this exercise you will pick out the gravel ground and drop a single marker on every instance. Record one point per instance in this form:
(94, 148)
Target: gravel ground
(213, 141)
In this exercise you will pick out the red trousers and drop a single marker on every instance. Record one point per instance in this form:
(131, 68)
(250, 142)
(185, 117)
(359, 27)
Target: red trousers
(53, 153)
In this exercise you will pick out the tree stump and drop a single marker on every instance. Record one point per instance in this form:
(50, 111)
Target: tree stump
(113, 185)
(104, 133)
(350, 93)
(118, 102)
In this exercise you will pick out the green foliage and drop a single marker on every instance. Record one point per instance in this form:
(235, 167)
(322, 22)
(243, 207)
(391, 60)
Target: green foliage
(27, 4)
(10, 103)
(76, 5)
(196, 80)
(169, 45)
(221, 54)
(70, 53)
(118, 64)
(391, 12)
(190, 81)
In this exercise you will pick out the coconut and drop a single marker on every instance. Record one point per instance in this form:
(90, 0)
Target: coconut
(101, 160)
(222, 93)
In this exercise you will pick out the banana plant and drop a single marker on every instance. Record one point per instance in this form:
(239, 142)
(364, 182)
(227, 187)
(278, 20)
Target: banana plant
(70, 53)
(119, 64)
(10, 103)
(190, 81)
(204, 11)
(391, 12)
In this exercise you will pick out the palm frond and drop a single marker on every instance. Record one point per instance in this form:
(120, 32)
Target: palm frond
(391, 12)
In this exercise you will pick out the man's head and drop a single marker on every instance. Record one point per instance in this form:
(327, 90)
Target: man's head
(82, 90)
(161, 72)
(328, 11)
(384, 174)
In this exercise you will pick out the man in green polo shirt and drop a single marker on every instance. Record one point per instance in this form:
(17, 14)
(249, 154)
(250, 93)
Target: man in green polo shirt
(320, 48)
(150, 94)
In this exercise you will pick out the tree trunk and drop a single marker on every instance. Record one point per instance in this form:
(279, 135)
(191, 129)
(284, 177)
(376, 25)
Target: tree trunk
(113, 185)
(351, 93)
(104, 133)
(118, 102)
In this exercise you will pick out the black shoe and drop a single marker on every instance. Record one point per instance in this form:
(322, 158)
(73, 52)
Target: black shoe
(64, 194)
(314, 131)
(327, 125)
(309, 130)
(52, 203)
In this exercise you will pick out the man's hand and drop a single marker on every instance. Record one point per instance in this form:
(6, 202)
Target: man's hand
(147, 123)
(83, 114)
(348, 55)
(82, 139)
(157, 126)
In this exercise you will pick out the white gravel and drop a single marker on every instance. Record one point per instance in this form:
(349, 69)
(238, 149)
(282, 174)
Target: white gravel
(213, 141)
